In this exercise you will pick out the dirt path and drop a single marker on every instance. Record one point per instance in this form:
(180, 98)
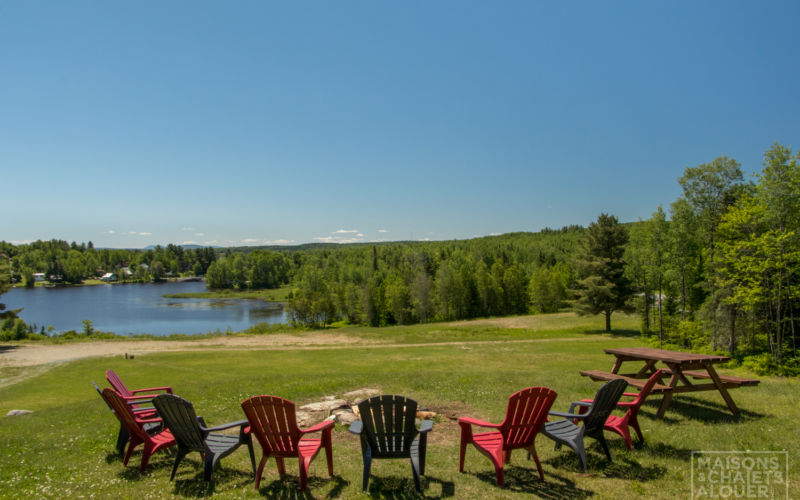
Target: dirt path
(32, 354)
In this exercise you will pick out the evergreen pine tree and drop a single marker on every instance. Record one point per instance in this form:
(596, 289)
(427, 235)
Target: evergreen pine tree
(603, 287)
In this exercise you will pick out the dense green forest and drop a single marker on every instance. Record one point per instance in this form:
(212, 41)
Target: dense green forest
(718, 270)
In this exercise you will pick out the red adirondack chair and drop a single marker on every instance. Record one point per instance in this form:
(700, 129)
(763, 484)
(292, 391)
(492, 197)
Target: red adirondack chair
(274, 423)
(525, 415)
(132, 397)
(136, 428)
(620, 424)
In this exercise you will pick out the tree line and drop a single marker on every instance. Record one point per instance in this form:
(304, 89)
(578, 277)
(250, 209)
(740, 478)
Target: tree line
(719, 270)
(63, 262)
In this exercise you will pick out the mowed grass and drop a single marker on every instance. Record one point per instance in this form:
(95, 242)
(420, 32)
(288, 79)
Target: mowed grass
(65, 448)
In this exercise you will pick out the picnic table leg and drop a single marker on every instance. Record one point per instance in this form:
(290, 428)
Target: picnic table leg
(722, 390)
(649, 366)
(617, 365)
(673, 381)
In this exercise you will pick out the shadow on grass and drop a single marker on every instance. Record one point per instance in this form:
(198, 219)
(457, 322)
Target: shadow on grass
(397, 488)
(288, 487)
(525, 480)
(620, 466)
(4, 348)
(707, 411)
(196, 486)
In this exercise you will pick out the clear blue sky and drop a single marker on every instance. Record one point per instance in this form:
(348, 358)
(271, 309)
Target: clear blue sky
(230, 123)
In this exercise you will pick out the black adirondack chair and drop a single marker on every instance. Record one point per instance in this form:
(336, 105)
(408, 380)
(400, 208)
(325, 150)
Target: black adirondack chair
(388, 430)
(567, 432)
(124, 436)
(191, 434)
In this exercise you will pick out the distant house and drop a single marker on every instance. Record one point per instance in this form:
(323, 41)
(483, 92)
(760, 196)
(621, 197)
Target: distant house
(38, 276)
(108, 277)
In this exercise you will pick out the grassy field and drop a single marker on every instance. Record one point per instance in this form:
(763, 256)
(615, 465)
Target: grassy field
(65, 447)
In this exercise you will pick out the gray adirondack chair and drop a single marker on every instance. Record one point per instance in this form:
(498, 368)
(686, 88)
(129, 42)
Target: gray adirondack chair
(191, 434)
(124, 436)
(567, 432)
(388, 430)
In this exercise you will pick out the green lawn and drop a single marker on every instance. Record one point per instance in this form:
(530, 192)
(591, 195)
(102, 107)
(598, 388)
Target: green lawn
(65, 448)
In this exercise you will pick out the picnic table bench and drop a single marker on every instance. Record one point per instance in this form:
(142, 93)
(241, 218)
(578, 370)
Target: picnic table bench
(680, 366)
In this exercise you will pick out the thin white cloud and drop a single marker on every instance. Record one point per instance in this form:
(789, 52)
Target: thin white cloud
(131, 232)
(358, 238)
(383, 230)
(424, 239)
(187, 229)
(145, 234)
(279, 242)
(189, 242)
(199, 234)
(345, 231)
(250, 240)
(360, 235)
(326, 239)
(212, 242)
(110, 231)
(20, 242)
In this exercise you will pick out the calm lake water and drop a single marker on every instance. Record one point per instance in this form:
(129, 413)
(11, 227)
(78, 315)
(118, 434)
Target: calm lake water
(139, 308)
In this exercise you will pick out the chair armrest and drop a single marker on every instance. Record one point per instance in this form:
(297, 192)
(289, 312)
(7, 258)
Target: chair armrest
(148, 420)
(145, 409)
(626, 404)
(144, 398)
(238, 423)
(154, 389)
(475, 421)
(324, 425)
(425, 426)
(356, 427)
(585, 404)
(568, 415)
(631, 394)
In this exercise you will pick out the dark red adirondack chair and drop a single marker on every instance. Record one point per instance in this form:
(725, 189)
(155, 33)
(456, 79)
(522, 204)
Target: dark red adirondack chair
(525, 415)
(620, 424)
(136, 428)
(274, 423)
(133, 397)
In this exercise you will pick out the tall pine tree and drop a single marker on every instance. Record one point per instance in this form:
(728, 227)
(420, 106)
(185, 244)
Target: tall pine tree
(603, 287)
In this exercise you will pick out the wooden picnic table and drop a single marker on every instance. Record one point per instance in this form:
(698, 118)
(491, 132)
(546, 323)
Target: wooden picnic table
(680, 366)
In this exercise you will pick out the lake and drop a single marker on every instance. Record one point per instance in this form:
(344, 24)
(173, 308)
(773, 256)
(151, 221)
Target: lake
(139, 308)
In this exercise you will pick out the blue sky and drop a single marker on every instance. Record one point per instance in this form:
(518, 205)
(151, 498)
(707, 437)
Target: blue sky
(230, 123)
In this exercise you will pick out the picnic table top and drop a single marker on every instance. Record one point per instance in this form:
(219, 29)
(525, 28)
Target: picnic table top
(649, 353)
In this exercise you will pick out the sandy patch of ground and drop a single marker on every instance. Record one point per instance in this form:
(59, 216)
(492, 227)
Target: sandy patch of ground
(533, 322)
(33, 354)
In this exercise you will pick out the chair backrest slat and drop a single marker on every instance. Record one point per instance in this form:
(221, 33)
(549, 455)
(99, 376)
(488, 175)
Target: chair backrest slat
(526, 413)
(604, 403)
(389, 424)
(124, 413)
(117, 383)
(180, 418)
(274, 422)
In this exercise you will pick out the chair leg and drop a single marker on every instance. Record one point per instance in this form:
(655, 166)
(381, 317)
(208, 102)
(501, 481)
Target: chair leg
(415, 471)
(498, 474)
(304, 464)
(281, 466)
(326, 440)
(580, 450)
(208, 466)
(249, 441)
(367, 465)
(602, 440)
(423, 445)
(122, 439)
(532, 451)
(461, 455)
(178, 457)
(260, 470)
(635, 424)
(146, 452)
